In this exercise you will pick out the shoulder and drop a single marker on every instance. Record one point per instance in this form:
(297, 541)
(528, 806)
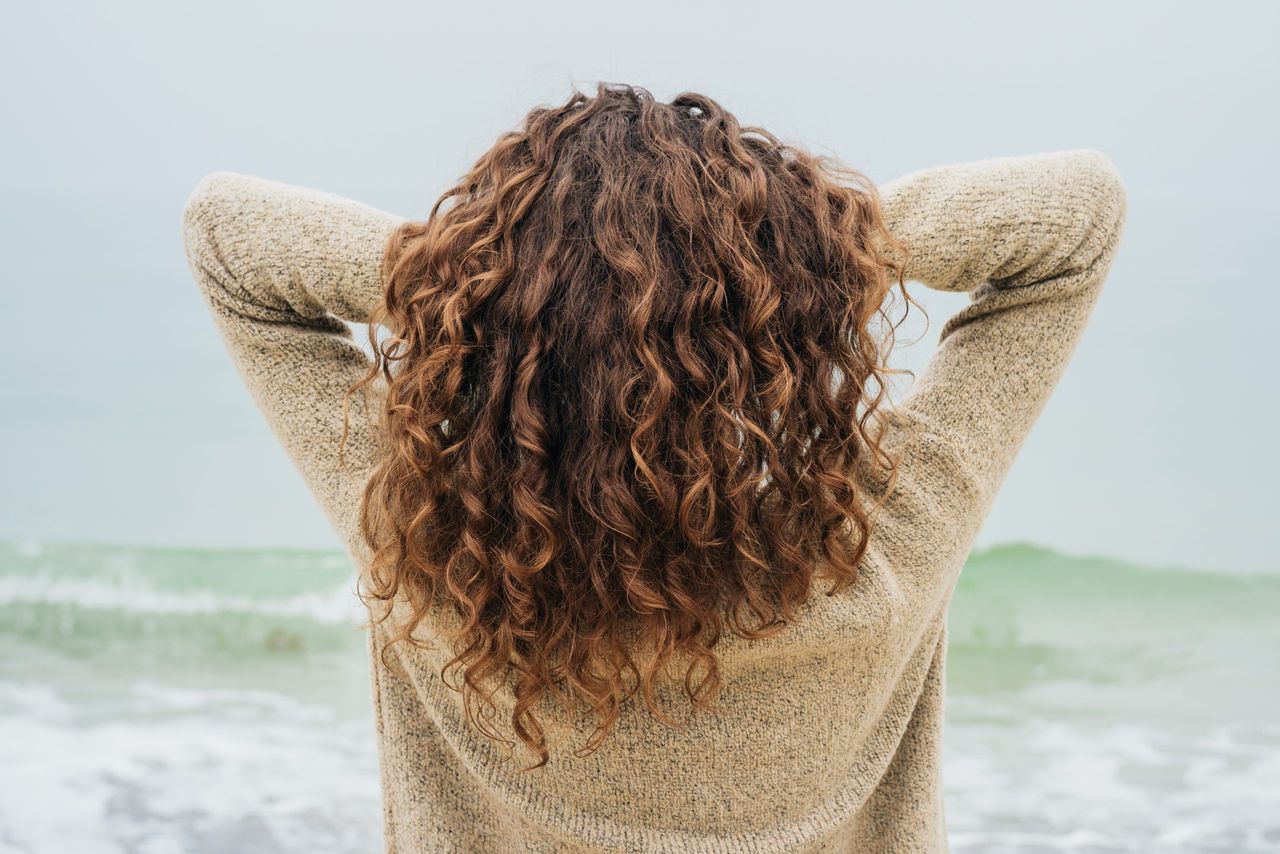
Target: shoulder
(936, 499)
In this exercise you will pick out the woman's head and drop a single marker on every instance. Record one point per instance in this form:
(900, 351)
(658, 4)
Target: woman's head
(631, 376)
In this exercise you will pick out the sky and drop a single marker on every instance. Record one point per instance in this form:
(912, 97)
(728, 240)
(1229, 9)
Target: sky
(122, 419)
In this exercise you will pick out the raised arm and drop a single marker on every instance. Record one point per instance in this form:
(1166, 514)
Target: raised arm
(1031, 239)
(281, 268)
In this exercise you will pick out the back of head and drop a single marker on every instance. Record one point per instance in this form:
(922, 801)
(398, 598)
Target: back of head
(631, 376)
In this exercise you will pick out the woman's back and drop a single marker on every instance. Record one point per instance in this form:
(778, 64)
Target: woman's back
(826, 739)
(825, 735)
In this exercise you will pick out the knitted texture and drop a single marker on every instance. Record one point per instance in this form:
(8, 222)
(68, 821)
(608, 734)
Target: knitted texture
(828, 735)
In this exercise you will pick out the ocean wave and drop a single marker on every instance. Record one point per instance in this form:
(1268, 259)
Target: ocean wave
(1081, 691)
(338, 605)
(1020, 613)
(1007, 579)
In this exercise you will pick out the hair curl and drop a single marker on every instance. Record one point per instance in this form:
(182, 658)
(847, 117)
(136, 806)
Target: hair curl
(630, 380)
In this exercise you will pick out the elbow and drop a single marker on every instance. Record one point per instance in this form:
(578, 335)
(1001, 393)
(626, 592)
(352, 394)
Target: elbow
(1095, 202)
(223, 222)
(208, 204)
(204, 199)
(206, 215)
(1107, 193)
(200, 212)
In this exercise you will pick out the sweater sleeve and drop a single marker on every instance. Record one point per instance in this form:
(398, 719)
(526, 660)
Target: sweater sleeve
(1031, 239)
(281, 268)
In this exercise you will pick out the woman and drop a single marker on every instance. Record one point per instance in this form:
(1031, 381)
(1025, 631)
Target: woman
(652, 564)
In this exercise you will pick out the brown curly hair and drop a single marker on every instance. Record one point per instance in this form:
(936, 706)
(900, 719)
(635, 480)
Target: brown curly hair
(631, 381)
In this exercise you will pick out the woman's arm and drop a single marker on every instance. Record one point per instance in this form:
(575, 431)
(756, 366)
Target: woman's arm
(1031, 238)
(281, 268)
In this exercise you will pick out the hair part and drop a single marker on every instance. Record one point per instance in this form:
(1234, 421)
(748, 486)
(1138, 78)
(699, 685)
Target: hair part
(631, 378)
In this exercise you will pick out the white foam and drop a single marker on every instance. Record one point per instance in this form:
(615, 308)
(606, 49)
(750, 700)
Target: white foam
(336, 605)
(287, 777)
(1076, 786)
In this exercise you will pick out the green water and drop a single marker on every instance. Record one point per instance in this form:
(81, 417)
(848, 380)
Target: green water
(145, 686)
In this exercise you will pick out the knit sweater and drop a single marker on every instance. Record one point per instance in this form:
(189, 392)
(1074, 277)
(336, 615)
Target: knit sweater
(827, 736)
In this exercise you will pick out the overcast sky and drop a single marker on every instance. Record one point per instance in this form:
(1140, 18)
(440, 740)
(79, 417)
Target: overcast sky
(123, 419)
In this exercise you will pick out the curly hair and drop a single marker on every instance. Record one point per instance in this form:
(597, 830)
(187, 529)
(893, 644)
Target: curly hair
(632, 378)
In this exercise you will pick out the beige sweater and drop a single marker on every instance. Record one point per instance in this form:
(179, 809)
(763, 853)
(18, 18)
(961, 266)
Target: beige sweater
(829, 734)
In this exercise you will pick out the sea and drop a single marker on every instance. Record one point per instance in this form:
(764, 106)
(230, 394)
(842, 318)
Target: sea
(161, 700)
